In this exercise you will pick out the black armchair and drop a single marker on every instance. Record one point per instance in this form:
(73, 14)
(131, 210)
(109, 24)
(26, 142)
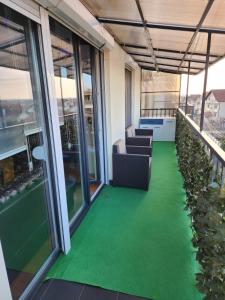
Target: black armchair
(139, 137)
(131, 165)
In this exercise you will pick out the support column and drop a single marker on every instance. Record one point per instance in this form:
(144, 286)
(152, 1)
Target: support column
(189, 64)
(205, 81)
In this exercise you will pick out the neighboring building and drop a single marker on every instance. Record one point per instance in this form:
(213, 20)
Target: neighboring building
(195, 101)
(215, 107)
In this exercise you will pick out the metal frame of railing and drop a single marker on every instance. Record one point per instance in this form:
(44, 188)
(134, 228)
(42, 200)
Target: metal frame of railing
(158, 112)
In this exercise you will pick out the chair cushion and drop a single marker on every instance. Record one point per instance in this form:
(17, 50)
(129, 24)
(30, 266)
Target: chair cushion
(130, 131)
(119, 147)
(133, 130)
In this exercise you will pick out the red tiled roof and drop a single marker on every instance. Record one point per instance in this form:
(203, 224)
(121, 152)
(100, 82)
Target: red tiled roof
(218, 94)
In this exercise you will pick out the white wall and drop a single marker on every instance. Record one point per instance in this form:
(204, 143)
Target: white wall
(136, 104)
(115, 62)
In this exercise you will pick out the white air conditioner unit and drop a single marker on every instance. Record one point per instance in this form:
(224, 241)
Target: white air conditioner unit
(163, 127)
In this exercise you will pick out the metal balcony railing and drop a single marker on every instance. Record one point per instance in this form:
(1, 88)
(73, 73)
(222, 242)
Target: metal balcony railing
(158, 112)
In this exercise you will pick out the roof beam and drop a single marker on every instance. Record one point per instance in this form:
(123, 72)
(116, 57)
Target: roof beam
(12, 27)
(204, 15)
(147, 34)
(167, 50)
(204, 93)
(160, 25)
(167, 57)
(12, 43)
(169, 65)
(165, 70)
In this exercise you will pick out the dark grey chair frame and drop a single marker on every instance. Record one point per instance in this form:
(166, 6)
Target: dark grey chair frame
(143, 137)
(132, 169)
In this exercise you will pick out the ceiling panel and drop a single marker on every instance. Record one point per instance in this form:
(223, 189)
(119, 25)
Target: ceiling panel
(138, 51)
(197, 65)
(170, 39)
(168, 68)
(148, 65)
(142, 58)
(128, 34)
(218, 43)
(173, 11)
(216, 15)
(169, 54)
(200, 44)
(169, 62)
(113, 9)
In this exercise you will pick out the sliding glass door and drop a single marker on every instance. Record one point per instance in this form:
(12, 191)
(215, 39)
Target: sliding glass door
(89, 91)
(73, 62)
(27, 229)
(63, 52)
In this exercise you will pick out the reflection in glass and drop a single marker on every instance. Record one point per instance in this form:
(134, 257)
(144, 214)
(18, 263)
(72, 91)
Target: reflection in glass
(25, 229)
(66, 92)
(90, 124)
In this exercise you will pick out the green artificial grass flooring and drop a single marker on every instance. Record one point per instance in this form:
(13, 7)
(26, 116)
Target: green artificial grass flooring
(137, 242)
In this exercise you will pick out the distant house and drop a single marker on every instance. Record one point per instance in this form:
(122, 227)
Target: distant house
(195, 101)
(192, 99)
(215, 105)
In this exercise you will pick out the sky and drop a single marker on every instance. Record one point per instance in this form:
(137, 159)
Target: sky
(216, 79)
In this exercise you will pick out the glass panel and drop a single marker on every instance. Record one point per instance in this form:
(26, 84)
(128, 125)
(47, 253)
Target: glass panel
(214, 114)
(113, 9)
(170, 39)
(146, 65)
(143, 59)
(68, 109)
(26, 230)
(196, 81)
(183, 91)
(90, 116)
(160, 93)
(215, 17)
(195, 90)
(159, 82)
(129, 34)
(173, 11)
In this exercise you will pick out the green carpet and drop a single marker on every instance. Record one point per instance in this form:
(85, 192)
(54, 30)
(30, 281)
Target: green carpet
(137, 242)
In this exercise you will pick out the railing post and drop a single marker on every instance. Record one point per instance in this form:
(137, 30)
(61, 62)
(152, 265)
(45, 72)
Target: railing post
(189, 64)
(205, 81)
(179, 92)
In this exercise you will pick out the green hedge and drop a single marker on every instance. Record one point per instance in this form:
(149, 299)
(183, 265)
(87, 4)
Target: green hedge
(206, 204)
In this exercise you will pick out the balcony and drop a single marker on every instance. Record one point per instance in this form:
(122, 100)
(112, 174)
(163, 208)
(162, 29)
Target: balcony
(73, 76)
(135, 242)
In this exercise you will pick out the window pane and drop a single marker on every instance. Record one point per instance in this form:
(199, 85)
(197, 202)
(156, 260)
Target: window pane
(90, 116)
(68, 109)
(26, 232)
